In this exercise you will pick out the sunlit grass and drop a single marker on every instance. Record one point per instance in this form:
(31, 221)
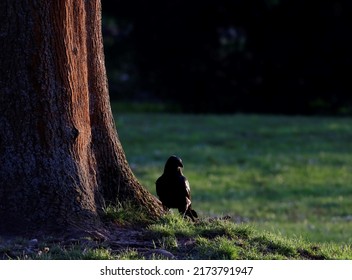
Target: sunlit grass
(117, 214)
(174, 237)
(222, 239)
(291, 175)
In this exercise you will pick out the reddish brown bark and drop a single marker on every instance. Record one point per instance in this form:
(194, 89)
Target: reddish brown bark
(61, 159)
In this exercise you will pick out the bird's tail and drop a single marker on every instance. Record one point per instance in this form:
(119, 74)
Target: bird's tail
(191, 214)
(194, 213)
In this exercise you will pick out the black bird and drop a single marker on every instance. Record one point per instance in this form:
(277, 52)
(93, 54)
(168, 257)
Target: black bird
(173, 188)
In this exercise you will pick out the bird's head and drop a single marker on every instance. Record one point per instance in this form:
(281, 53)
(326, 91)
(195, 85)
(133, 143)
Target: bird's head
(173, 164)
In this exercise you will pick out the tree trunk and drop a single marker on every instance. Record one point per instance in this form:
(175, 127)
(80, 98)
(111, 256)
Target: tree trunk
(60, 157)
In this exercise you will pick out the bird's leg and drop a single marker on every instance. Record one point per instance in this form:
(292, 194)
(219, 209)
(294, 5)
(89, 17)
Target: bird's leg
(182, 211)
(188, 205)
(187, 213)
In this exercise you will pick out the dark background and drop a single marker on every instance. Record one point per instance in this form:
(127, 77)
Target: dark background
(228, 56)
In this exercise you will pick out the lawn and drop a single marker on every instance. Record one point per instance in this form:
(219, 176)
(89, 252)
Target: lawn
(284, 181)
(287, 175)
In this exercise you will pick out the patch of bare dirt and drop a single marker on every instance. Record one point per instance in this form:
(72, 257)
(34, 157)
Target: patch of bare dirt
(117, 239)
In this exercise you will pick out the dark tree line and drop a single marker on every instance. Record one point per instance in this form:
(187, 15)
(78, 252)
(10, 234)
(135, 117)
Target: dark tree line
(283, 56)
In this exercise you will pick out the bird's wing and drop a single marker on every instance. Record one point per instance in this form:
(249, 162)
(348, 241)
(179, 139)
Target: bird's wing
(188, 193)
(186, 187)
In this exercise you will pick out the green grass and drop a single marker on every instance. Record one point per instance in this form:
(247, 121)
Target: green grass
(118, 215)
(223, 239)
(286, 182)
(288, 175)
(174, 237)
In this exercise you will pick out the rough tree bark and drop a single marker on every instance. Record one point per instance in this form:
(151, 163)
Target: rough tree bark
(60, 157)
